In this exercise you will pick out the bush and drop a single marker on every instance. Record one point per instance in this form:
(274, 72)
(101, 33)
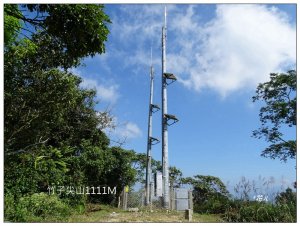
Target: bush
(35, 208)
(242, 211)
(288, 197)
(214, 205)
(9, 206)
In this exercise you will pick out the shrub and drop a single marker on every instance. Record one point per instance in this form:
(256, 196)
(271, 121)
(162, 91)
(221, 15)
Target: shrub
(288, 197)
(35, 208)
(9, 206)
(214, 205)
(241, 211)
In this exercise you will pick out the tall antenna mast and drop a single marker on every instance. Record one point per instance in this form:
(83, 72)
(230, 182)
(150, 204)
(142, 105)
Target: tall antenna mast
(167, 78)
(151, 140)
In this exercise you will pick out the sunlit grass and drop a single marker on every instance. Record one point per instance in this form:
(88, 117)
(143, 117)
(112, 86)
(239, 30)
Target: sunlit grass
(102, 213)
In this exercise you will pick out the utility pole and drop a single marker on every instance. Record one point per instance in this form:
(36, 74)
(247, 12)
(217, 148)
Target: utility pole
(167, 78)
(151, 140)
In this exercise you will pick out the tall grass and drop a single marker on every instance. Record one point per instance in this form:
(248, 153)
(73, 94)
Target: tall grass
(273, 206)
(260, 212)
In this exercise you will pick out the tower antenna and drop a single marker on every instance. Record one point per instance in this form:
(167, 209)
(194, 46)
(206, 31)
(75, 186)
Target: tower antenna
(167, 79)
(150, 140)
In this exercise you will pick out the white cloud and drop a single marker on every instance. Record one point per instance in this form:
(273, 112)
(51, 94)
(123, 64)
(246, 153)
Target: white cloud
(135, 28)
(107, 93)
(127, 130)
(234, 51)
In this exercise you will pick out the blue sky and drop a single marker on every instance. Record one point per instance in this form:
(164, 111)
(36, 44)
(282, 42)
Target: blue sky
(219, 54)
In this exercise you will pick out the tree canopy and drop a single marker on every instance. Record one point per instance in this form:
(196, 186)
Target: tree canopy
(209, 193)
(278, 113)
(66, 32)
(43, 104)
(12, 24)
(53, 135)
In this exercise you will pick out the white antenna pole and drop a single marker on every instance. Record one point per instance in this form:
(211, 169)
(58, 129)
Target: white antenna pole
(166, 17)
(151, 56)
(167, 79)
(151, 140)
(165, 162)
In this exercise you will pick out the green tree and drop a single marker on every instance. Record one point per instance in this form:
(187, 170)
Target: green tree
(139, 163)
(209, 193)
(44, 105)
(12, 25)
(48, 108)
(279, 95)
(175, 176)
(108, 166)
(64, 33)
(52, 132)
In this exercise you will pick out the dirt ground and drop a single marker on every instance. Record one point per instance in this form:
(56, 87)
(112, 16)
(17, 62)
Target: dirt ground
(108, 214)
